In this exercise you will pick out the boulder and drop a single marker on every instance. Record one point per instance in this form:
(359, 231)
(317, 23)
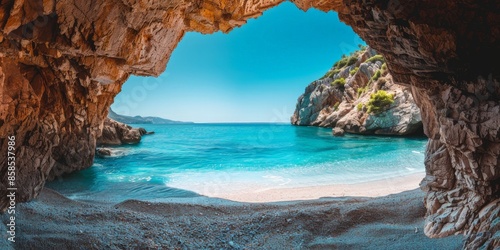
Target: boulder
(117, 133)
(103, 152)
(338, 131)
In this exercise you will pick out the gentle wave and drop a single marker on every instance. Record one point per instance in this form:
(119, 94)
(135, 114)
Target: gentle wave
(205, 158)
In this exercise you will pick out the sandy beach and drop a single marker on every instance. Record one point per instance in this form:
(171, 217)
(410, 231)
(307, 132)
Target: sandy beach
(364, 189)
(354, 221)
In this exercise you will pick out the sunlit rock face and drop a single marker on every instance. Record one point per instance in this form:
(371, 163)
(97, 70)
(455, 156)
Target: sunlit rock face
(62, 63)
(344, 106)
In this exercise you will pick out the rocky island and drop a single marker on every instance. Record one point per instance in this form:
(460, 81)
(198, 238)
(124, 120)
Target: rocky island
(63, 62)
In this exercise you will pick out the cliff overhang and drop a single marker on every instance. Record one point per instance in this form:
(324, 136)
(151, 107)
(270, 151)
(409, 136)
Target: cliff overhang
(62, 63)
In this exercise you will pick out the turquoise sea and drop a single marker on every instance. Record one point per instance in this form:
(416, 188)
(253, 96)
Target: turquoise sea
(185, 160)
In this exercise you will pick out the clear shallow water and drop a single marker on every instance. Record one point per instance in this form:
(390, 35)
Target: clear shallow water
(215, 158)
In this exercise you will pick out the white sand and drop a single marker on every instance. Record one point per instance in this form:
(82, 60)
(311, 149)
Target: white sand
(387, 222)
(390, 222)
(366, 189)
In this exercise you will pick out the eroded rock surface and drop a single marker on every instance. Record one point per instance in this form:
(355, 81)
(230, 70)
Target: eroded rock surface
(103, 152)
(341, 99)
(448, 52)
(117, 133)
(62, 63)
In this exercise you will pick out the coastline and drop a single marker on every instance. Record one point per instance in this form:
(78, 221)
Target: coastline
(382, 214)
(388, 222)
(375, 188)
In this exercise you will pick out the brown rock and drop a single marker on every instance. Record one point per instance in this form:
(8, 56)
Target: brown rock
(143, 131)
(117, 133)
(62, 63)
(338, 131)
(103, 152)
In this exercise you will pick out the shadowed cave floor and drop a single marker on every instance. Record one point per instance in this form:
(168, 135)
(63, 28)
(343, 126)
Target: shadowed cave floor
(392, 222)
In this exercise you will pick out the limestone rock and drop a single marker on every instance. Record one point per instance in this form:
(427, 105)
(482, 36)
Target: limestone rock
(344, 107)
(117, 133)
(338, 131)
(63, 62)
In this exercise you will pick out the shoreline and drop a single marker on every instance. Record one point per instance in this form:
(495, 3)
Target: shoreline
(52, 221)
(376, 188)
(357, 218)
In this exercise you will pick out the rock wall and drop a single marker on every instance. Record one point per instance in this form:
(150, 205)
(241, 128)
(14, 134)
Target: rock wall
(62, 62)
(448, 52)
(341, 99)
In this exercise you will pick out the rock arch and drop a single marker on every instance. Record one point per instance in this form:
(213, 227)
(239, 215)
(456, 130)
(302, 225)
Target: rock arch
(62, 63)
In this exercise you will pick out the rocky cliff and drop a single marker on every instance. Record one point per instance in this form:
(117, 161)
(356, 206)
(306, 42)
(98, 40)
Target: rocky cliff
(358, 95)
(62, 63)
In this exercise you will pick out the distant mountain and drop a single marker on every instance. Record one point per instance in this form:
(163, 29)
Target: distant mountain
(141, 120)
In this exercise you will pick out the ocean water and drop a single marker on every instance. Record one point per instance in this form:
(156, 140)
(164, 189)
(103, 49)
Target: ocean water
(185, 160)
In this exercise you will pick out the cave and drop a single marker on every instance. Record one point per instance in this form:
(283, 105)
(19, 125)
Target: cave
(63, 62)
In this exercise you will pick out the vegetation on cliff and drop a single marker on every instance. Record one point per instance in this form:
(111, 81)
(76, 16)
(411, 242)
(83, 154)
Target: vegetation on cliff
(339, 82)
(379, 100)
(358, 95)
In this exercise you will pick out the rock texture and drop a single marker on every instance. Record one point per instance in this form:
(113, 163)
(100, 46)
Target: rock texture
(62, 62)
(103, 152)
(117, 133)
(448, 52)
(344, 106)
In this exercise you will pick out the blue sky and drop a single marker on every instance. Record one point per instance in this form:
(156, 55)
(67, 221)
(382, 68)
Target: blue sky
(253, 74)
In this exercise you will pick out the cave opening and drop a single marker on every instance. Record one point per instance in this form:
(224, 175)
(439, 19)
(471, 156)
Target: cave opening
(246, 75)
(86, 50)
(249, 77)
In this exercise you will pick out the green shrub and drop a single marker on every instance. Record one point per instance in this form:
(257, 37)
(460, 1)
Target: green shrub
(331, 73)
(361, 90)
(341, 63)
(353, 71)
(375, 58)
(384, 67)
(346, 61)
(376, 76)
(339, 82)
(336, 106)
(360, 106)
(352, 60)
(379, 100)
